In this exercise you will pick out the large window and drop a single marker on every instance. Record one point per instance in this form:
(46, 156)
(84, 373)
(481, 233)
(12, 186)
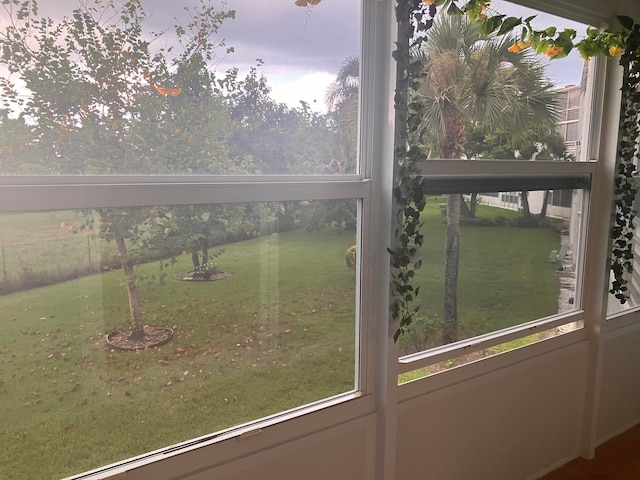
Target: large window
(518, 275)
(503, 240)
(245, 315)
(182, 225)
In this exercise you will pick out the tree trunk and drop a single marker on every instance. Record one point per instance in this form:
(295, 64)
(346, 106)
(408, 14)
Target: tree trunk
(137, 325)
(545, 202)
(464, 209)
(450, 145)
(526, 210)
(473, 205)
(452, 254)
(195, 259)
(205, 250)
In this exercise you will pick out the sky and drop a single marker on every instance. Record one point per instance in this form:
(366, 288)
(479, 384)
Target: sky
(303, 48)
(565, 71)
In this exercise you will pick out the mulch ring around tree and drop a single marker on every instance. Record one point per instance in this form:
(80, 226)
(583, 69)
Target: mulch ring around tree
(153, 337)
(192, 277)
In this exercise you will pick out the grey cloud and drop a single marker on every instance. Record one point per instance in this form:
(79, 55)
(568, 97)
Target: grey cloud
(277, 31)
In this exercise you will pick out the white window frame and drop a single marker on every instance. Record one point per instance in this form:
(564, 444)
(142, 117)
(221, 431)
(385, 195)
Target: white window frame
(589, 165)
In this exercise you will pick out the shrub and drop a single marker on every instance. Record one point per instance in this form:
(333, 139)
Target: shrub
(477, 222)
(350, 257)
(530, 222)
(501, 221)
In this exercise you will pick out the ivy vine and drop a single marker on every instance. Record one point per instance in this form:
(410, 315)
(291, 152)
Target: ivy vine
(622, 231)
(414, 18)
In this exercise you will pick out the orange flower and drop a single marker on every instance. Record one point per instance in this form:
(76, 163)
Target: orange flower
(429, 2)
(518, 47)
(170, 92)
(553, 51)
(615, 50)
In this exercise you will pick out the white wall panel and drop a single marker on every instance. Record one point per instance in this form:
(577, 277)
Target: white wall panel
(620, 387)
(507, 425)
(344, 452)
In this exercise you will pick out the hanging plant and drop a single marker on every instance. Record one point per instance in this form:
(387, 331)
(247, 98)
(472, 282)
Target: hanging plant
(414, 18)
(626, 188)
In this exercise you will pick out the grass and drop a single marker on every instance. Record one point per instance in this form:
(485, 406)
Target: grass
(23, 234)
(277, 333)
(505, 277)
(37, 248)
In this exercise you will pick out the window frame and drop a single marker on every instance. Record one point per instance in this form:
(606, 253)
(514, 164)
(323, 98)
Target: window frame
(458, 176)
(514, 172)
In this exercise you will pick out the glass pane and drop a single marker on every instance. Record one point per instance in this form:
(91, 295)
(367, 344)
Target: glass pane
(252, 308)
(236, 87)
(516, 263)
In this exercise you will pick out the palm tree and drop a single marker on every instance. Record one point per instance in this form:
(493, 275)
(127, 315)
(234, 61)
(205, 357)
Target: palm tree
(472, 79)
(341, 100)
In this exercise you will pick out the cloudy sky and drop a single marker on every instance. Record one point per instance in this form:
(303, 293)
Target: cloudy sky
(302, 48)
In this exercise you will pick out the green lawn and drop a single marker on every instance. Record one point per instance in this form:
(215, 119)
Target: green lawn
(505, 277)
(277, 333)
(39, 247)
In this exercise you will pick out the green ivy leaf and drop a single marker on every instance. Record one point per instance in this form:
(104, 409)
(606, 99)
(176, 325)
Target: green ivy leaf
(509, 24)
(491, 25)
(625, 21)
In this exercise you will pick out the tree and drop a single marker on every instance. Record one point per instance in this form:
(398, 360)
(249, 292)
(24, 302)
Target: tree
(483, 143)
(341, 100)
(471, 79)
(101, 100)
(279, 139)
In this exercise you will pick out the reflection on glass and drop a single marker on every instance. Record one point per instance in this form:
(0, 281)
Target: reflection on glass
(229, 88)
(516, 264)
(251, 308)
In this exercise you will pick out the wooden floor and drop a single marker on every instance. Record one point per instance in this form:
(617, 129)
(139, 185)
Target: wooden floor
(618, 459)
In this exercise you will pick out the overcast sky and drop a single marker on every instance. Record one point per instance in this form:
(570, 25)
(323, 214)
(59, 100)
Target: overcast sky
(303, 48)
